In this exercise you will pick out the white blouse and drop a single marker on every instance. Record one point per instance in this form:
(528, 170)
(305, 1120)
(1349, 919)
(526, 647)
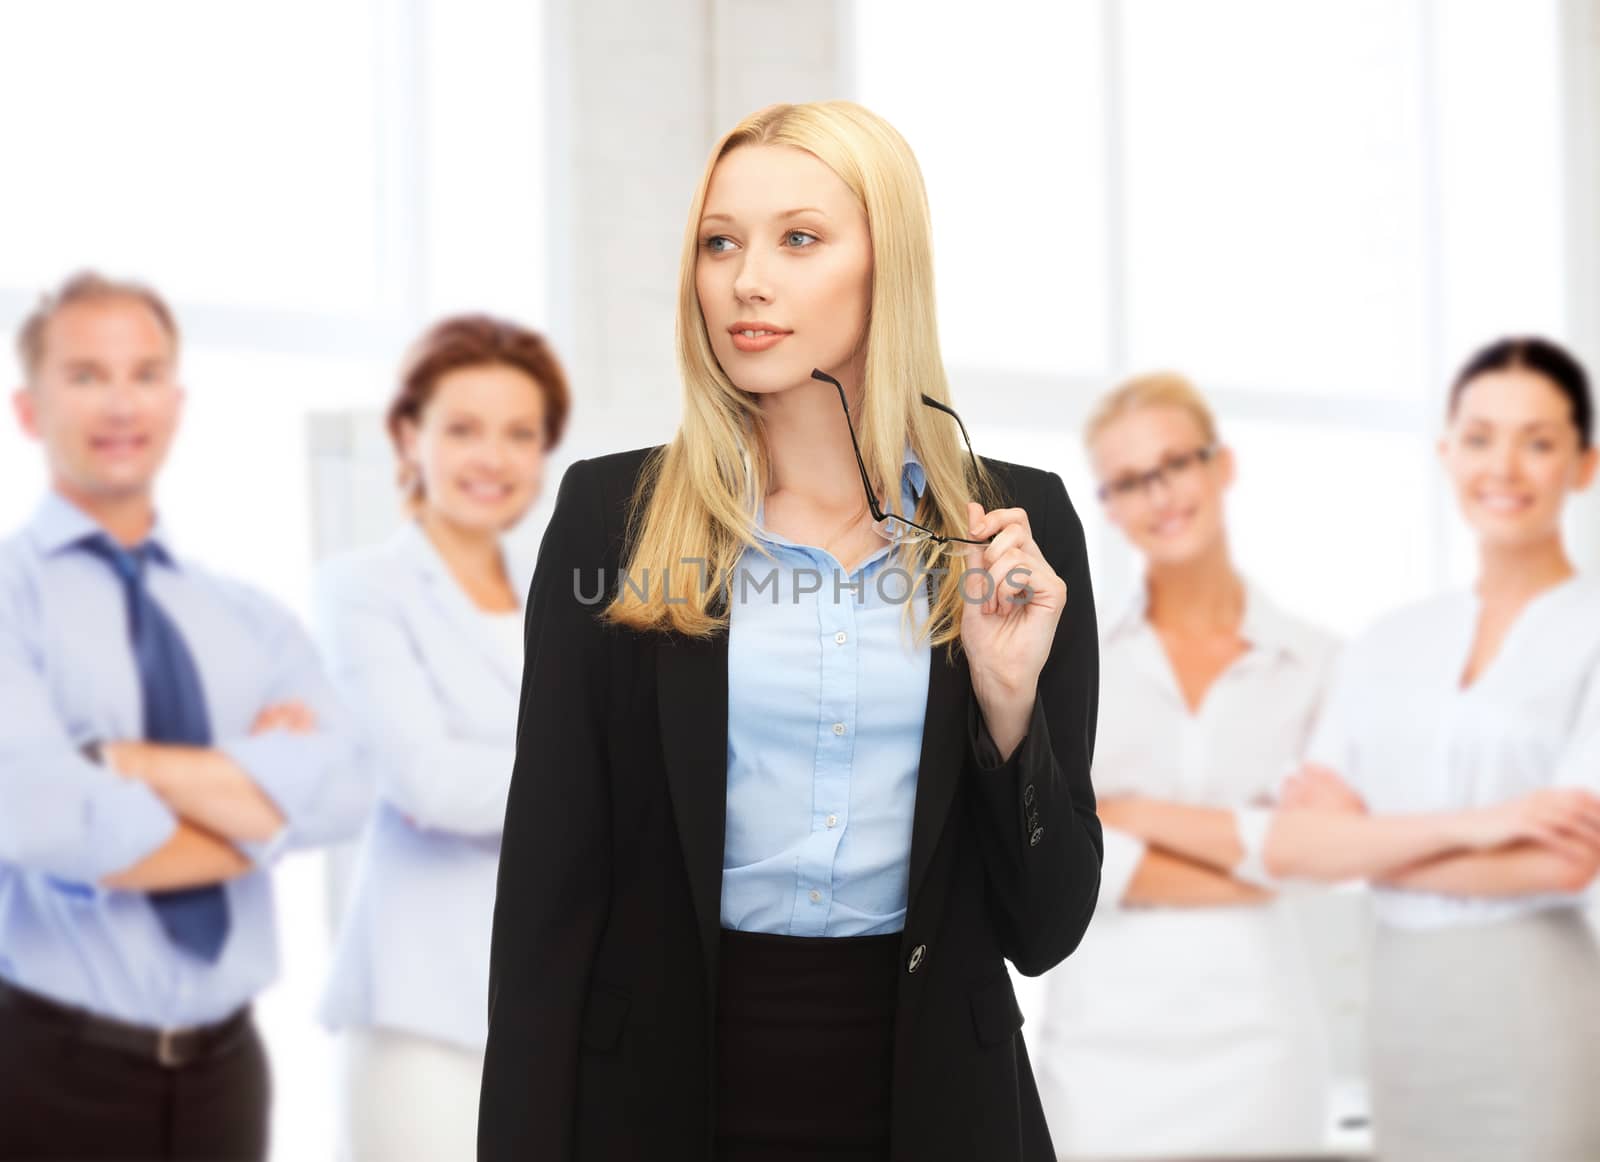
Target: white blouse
(507, 629)
(1161, 1033)
(1403, 733)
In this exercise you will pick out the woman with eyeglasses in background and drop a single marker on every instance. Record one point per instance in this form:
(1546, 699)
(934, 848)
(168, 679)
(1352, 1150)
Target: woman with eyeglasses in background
(785, 801)
(1190, 999)
(1455, 768)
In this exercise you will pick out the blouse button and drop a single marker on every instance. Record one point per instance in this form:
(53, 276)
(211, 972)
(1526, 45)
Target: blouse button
(816, 896)
(841, 637)
(833, 821)
(838, 728)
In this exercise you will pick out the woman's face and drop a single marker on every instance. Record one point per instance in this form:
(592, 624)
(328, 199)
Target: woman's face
(1177, 516)
(784, 251)
(1512, 452)
(479, 446)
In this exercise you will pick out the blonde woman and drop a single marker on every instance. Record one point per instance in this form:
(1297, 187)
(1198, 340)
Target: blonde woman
(424, 636)
(1190, 998)
(1456, 768)
(786, 800)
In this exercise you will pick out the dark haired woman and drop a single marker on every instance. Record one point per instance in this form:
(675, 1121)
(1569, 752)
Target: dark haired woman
(424, 637)
(772, 837)
(1455, 769)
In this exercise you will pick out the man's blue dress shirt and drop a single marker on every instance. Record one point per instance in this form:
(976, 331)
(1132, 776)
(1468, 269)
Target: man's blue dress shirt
(67, 676)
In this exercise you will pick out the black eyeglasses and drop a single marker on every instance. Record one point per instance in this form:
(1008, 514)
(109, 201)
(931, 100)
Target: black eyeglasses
(887, 524)
(1126, 487)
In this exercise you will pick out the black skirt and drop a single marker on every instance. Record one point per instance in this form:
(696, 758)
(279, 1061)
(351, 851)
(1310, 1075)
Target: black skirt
(805, 1041)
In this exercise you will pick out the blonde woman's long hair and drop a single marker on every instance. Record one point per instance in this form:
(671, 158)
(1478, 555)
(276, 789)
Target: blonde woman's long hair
(693, 513)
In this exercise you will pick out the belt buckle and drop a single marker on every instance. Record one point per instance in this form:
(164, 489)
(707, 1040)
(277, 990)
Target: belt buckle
(166, 1054)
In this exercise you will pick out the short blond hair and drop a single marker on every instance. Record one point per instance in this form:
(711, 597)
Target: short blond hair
(84, 287)
(1155, 389)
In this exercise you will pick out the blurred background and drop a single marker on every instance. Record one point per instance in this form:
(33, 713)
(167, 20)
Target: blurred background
(1315, 208)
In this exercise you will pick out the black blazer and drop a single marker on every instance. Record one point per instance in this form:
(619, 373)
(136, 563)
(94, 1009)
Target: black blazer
(603, 969)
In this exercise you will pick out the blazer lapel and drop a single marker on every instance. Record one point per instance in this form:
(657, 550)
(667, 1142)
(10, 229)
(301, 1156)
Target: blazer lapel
(692, 697)
(452, 601)
(944, 750)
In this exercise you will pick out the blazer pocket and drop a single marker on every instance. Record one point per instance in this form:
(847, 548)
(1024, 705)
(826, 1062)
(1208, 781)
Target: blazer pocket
(603, 1018)
(996, 1015)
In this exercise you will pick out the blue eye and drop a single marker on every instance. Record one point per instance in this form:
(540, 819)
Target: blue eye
(711, 243)
(809, 238)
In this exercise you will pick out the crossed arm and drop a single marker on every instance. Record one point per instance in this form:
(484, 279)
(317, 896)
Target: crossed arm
(1188, 854)
(215, 800)
(1547, 841)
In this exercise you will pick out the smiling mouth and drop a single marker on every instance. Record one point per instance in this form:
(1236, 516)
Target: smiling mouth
(118, 444)
(1503, 503)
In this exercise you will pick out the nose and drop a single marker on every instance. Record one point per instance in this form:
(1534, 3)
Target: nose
(750, 284)
(122, 398)
(1158, 490)
(1503, 461)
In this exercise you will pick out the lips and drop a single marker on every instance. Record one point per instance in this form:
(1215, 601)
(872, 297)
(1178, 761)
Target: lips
(119, 445)
(1170, 524)
(759, 341)
(485, 491)
(1502, 502)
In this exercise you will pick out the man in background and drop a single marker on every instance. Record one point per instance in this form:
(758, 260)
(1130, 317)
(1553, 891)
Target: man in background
(165, 734)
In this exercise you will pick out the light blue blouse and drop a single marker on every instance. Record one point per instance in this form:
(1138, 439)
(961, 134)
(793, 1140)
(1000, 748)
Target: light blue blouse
(825, 712)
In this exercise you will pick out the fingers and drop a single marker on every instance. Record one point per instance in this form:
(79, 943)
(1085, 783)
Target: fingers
(990, 524)
(1017, 572)
(294, 716)
(1564, 820)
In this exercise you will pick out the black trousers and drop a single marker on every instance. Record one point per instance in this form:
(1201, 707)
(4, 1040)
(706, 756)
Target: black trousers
(63, 1095)
(805, 1039)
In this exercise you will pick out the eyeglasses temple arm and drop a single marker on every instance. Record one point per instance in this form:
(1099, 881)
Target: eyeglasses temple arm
(951, 412)
(872, 501)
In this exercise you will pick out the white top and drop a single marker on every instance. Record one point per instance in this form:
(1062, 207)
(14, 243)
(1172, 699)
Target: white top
(435, 682)
(506, 629)
(1403, 733)
(1163, 1031)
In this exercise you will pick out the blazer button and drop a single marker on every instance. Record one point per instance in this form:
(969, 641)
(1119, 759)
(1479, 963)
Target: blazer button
(1028, 795)
(1033, 820)
(1038, 834)
(917, 955)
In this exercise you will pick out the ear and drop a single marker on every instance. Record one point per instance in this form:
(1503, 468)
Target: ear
(1586, 468)
(407, 429)
(1227, 467)
(27, 410)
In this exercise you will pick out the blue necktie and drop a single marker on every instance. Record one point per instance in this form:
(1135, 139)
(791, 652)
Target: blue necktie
(195, 919)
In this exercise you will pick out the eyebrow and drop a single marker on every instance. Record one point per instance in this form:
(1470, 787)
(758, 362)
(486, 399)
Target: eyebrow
(1535, 426)
(720, 217)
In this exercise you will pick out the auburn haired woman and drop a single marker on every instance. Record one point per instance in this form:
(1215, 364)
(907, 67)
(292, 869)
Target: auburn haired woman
(423, 635)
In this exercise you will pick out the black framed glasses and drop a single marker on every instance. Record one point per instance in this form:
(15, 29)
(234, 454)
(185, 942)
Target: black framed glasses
(890, 525)
(1124, 488)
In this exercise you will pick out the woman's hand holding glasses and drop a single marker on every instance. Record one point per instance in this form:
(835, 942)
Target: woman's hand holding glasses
(1012, 603)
